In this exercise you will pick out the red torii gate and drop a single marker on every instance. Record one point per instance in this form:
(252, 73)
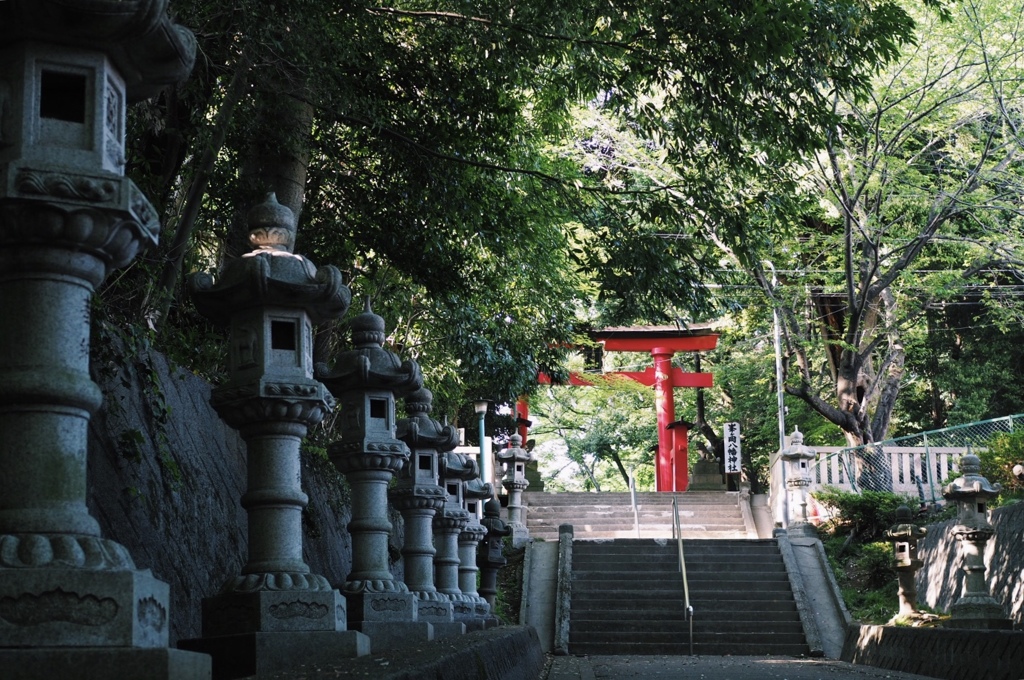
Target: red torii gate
(672, 469)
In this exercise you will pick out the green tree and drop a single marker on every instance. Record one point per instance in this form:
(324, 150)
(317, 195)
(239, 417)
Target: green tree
(595, 437)
(916, 207)
(423, 145)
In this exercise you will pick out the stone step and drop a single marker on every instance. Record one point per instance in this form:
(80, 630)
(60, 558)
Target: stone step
(674, 594)
(698, 581)
(725, 647)
(552, 535)
(740, 548)
(655, 629)
(694, 562)
(583, 498)
(720, 619)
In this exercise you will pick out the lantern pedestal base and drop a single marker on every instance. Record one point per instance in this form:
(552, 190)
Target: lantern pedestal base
(248, 654)
(978, 613)
(103, 663)
(273, 611)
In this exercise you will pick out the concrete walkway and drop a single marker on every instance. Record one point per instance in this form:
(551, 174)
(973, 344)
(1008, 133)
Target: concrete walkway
(712, 668)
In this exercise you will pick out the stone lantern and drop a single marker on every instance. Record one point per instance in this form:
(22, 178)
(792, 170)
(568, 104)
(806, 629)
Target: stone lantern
(490, 557)
(366, 381)
(448, 524)
(515, 458)
(271, 297)
(904, 536)
(419, 497)
(971, 492)
(797, 460)
(70, 599)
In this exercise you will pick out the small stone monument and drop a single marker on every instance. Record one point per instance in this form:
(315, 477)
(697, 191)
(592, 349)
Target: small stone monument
(904, 536)
(448, 524)
(971, 492)
(70, 600)
(365, 381)
(797, 461)
(419, 497)
(275, 609)
(490, 557)
(515, 459)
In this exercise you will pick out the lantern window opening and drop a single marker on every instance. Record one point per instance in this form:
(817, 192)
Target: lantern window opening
(453, 490)
(379, 408)
(283, 335)
(425, 463)
(471, 507)
(63, 96)
(981, 508)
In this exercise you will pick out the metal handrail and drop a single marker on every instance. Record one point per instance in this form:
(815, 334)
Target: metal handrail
(677, 533)
(632, 500)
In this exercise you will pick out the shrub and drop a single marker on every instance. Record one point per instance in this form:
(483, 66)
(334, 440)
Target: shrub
(864, 515)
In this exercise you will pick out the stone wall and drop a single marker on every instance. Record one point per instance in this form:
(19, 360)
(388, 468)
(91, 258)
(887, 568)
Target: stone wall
(953, 654)
(166, 476)
(939, 582)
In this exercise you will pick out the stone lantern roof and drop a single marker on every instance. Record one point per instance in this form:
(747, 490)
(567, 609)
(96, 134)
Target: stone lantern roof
(148, 50)
(971, 484)
(796, 449)
(271, 275)
(420, 431)
(904, 529)
(514, 453)
(369, 365)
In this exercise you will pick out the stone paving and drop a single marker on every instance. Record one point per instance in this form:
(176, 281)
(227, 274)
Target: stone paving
(713, 668)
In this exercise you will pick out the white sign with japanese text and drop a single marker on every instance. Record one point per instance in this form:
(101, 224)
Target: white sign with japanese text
(733, 456)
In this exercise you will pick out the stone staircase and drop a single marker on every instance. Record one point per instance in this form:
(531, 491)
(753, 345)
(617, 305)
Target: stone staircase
(703, 514)
(627, 598)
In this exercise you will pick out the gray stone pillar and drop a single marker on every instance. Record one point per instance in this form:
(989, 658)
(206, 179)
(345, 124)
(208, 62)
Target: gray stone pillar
(448, 524)
(490, 557)
(474, 492)
(70, 599)
(275, 611)
(419, 497)
(366, 381)
(515, 459)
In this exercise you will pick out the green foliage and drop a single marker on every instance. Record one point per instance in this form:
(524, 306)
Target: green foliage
(590, 438)
(864, 515)
(437, 154)
(998, 458)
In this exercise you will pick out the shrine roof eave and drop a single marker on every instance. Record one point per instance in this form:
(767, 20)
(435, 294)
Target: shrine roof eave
(696, 337)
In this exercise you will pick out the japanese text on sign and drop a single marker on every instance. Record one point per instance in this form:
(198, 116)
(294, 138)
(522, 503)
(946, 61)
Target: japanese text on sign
(733, 455)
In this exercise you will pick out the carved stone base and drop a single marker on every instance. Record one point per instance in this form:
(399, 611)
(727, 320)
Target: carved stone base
(435, 610)
(391, 607)
(978, 612)
(259, 654)
(82, 608)
(394, 635)
(272, 611)
(94, 663)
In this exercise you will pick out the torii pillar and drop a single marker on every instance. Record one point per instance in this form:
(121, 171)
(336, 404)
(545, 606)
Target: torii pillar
(662, 342)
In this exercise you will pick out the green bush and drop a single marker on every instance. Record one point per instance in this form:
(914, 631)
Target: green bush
(864, 515)
(1001, 453)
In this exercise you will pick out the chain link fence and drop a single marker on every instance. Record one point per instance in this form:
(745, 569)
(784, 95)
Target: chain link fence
(916, 465)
